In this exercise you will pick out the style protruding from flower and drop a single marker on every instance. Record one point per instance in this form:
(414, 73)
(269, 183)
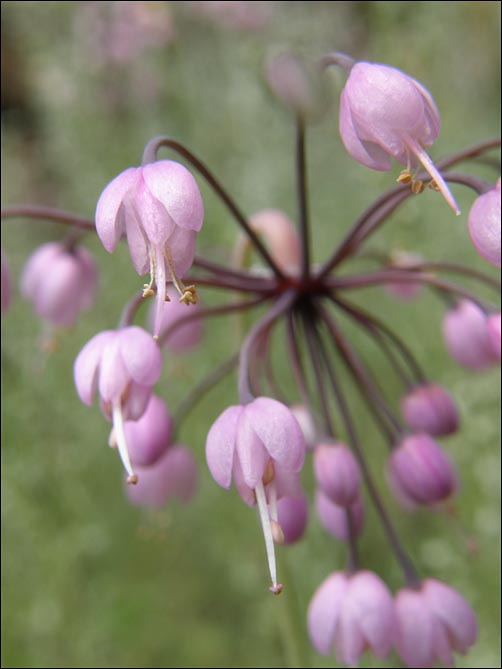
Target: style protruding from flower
(431, 622)
(465, 330)
(350, 613)
(159, 207)
(260, 447)
(420, 472)
(430, 408)
(484, 224)
(386, 113)
(60, 281)
(123, 366)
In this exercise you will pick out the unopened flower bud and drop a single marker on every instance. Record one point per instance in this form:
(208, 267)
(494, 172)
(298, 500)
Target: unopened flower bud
(430, 408)
(493, 326)
(484, 225)
(292, 515)
(149, 436)
(466, 336)
(337, 473)
(420, 472)
(335, 519)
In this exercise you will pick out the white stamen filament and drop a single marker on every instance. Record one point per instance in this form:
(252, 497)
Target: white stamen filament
(434, 172)
(118, 425)
(272, 501)
(160, 280)
(267, 531)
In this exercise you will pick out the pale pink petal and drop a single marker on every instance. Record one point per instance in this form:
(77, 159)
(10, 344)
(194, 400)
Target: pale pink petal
(141, 355)
(324, 611)
(181, 248)
(414, 630)
(109, 225)
(454, 612)
(251, 452)
(220, 445)
(87, 363)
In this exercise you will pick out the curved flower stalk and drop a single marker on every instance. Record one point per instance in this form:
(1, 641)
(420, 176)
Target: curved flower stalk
(313, 321)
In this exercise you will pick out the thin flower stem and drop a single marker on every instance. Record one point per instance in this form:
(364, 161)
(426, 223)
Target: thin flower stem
(469, 153)
(130, 309)
(263, 286)
(150, 156)
(373, 395)
(406, 276)
(49, 214)
(457, 268)
(409, 570)
(246, 360)
(301, 193)
(202, 388)
(377, 329)
(223, 270)
(203, 312)
(296, 363)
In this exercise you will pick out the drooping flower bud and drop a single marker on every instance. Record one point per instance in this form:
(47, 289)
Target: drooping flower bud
(260, 447)
(431, 622)
(61, 282)
(484, 225)
(494, 327)
(122, 365)
(337, 473)
(304, 418)
(420, 472)
(350, 613)
(149, 437)
(174, 474)
(335, 519)
(466, 336)
(384, 114)
(292, 517)
(430, 408)
(159, 208)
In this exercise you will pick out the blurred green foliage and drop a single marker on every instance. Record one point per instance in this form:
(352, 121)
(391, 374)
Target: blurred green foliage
(89, 581)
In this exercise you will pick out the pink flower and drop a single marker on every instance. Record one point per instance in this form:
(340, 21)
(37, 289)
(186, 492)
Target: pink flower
(60, 282)
(484, 225)
(350, 613)
(122, 365)
(494, 326)
(386, 113)
(420, 472)
(159, 208)
(431, 623)
(6, 284)
(337, 473)
(334, 518)
(260, 446)
(466, 336)
(174, 474)
(430, 408)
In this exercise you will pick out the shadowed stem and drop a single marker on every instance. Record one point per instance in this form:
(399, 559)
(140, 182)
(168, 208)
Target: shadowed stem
(301, 193)
(49, 214)
(150, 156)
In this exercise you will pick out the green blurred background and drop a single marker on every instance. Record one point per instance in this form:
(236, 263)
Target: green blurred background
(87, 579)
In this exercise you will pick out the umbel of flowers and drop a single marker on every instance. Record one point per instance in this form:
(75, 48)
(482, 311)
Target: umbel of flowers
(261, 441)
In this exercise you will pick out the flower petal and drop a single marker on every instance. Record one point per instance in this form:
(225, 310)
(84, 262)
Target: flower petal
(220, 445)
(86, 365)
(109, 225)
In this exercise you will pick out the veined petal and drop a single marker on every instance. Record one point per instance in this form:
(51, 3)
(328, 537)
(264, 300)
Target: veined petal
(253, 457)
(156, 221)
(454, 612)
(181, 247)
(324, 611)
(220, 445)
(136, 240)
(176, 189)
(109, 225)
(86, 365)
(278, 430)
(141, 355)
(414, 630)
(113, 376)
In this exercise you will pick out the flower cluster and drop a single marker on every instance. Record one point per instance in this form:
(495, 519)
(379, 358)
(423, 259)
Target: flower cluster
(261, 442)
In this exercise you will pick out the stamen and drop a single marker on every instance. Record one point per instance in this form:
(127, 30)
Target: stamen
(417, 186)
(404, 177)
(118, 425)
(434, 172)
(160, 280)
(261, 500)
(148, 287)
(188, 294)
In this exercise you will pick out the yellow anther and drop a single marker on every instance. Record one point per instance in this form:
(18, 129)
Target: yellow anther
(417, 186)
(405, 177)
(189, 295)
(433, 185)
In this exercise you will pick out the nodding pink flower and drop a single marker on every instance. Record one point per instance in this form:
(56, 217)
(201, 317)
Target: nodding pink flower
(61, 282)
(183, 337)
(6, 285)
(261, 447)
(174, 474)
(350, 613)
(304, 418)
(148, 437)
(335, 519)
(431, 623)
(292, 518)
(159, 208)
(420, 472)
(280, 236)
(484, 224)
(430, 408)
(122, 365)
(384, 114)
(494, 327)
(337, 473)
(466, 336)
